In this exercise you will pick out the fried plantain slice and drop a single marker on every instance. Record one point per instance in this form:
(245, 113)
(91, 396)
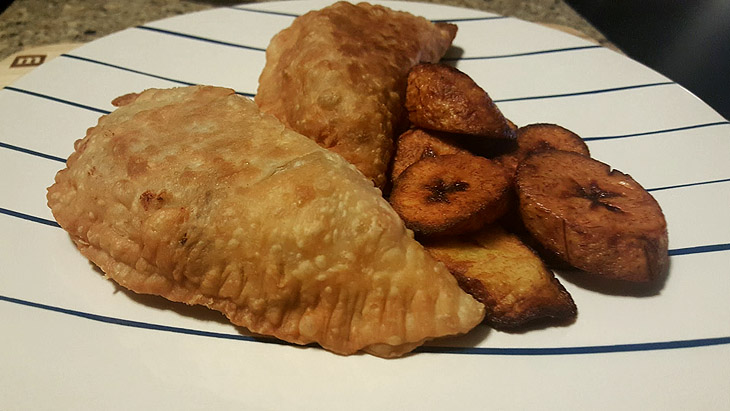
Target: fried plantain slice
(512, 125)
(450, 194)
(416, 144)
(509, 161)
(597, 219)
(505, 275)
(440, 97)
(544, 136)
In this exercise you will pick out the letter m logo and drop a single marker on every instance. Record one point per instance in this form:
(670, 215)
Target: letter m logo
(30, 60)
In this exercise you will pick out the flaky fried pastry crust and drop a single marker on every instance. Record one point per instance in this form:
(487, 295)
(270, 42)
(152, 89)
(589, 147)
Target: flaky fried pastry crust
(338, 76)
(193, 195)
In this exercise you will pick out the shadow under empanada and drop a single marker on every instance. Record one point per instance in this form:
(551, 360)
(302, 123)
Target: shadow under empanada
(471, 339)
(156, 302)
(197, 312)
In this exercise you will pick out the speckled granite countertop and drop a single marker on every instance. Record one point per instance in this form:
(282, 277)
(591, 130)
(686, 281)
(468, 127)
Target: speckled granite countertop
(29, 23)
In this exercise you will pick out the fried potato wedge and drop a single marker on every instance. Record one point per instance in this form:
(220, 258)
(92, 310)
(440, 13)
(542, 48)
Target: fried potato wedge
(440, 97)
(597, 219)
(505, 275)
(451, 194)
(416, 144)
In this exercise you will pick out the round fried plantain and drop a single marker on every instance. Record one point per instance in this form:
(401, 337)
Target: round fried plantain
(544, 136)
(440, 97)
(597, 219)
(510, 162)
(451, 194)
(539, 137)
(416, 144)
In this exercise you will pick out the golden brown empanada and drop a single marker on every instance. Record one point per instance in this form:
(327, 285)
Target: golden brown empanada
(338, 76)
(192, 194)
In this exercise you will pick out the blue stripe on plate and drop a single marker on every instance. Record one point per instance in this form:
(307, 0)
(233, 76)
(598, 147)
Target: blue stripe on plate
(31, 152)
(58, 100)
(88, 60)
(591, 349)
(529, 53)
(29, 217)
(674, 252)
(192, 37)
(583, 93)
(456, 20)
(131, 323)
(722, 180)
(279, 13)
(115, 66)
(275, 13)
(666, 130)
(700, 249)
(595, 349)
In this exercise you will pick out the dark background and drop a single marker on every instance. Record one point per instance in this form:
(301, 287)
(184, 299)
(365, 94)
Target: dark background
(686, 40)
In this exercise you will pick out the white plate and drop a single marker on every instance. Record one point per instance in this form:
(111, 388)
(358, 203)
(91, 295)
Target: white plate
(70, 339)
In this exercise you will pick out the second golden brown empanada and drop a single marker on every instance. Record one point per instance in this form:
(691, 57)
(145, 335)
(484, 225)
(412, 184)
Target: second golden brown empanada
(192, 194)
(338, 76)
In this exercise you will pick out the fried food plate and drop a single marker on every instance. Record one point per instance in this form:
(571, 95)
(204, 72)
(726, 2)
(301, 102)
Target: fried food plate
(72, 339)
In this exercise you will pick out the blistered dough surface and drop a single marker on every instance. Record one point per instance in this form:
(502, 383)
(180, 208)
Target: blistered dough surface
(192, 194)
(338, 76)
